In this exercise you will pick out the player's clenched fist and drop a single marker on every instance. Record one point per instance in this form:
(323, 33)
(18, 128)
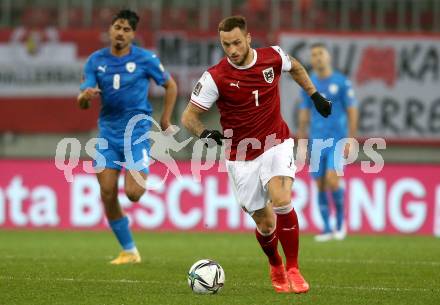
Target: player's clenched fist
(323, 105)
(85, 97)
(208, 135)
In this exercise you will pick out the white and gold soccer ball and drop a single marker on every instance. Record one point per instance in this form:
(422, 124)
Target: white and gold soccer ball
(206, 277)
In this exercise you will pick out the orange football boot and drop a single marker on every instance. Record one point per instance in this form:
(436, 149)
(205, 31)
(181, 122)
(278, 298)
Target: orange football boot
(279, 279)
(297, 282)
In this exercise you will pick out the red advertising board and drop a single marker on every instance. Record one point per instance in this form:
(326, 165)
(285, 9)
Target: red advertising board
(35, 194)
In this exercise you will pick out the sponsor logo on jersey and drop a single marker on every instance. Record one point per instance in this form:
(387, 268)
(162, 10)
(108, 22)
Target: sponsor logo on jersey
(197, 89)
(102, 68)
(235, 84)
(131, 66)
(269, 75)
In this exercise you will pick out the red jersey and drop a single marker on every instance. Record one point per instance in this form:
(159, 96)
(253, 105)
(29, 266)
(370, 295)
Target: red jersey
(248, 101)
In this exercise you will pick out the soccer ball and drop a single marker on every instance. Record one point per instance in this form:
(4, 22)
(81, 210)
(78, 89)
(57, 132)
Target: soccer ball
(206, 277)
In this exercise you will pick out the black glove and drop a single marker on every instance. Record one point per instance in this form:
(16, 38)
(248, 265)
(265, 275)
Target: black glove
(323, 105)
(208, 135)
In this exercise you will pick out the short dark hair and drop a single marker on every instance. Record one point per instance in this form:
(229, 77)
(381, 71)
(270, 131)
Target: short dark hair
(131, 17)
(318, 45)
(230, 23)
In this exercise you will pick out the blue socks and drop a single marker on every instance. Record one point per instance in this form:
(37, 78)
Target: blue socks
(323, 208)
(123, 234)
(338, 199)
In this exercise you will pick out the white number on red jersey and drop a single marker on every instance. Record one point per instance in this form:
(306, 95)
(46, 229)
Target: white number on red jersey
(255, 92)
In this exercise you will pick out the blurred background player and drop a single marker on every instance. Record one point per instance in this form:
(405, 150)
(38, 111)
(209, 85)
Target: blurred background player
(342, 123)
(121, 74)
(244, 85)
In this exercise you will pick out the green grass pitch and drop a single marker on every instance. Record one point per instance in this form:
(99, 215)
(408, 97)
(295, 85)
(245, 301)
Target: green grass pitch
(72, 268)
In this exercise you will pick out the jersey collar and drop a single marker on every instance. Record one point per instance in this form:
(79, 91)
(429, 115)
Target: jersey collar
(109, 52)
(254, 60)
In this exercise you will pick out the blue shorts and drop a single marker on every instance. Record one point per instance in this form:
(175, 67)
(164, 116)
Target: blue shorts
(330, 159)
(137, 157)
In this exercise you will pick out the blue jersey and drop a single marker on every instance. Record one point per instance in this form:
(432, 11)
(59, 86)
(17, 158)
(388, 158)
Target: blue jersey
(336, 88)
(124, 83)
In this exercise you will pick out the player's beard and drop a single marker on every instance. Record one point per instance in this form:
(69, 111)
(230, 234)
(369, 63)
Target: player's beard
(119, 46)
(120, 43)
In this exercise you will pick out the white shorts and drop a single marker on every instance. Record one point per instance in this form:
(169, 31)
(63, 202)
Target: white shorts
(249, 178)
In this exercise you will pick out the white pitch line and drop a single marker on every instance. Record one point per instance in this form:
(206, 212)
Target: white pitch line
(127, 281)
(370, 261)
(122, 281)
(394, 289)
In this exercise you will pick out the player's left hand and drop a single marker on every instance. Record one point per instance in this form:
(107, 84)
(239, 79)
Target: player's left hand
(165, 124)
(212, 137)
(171, 130)
(323, 105)
(90, 93)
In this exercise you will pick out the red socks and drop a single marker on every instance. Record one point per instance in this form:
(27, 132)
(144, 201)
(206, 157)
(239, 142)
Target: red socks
(287, 231)
(269, 244)
(288, 234)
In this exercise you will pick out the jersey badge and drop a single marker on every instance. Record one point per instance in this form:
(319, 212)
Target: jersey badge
(269, 75)
(333, 88)
(131, 66)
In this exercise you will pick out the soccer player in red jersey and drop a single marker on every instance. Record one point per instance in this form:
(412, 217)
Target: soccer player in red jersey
(259, 150)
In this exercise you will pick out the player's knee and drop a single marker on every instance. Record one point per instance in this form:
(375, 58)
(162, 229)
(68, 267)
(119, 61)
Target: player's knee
(266, 227)
(266, 230)
(265, 223)
(332, 183)
(134, 194)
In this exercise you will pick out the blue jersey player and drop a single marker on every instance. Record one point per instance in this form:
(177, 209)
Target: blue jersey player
(327, 159)
(121, 75)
